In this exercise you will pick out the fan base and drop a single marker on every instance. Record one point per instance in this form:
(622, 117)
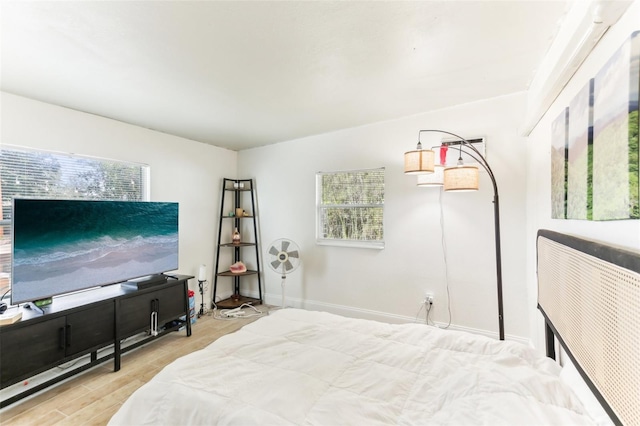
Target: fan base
(236, 301)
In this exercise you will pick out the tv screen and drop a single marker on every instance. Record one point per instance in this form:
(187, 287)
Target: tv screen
(61, 246)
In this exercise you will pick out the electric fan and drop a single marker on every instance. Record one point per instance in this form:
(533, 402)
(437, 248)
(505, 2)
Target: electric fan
(283, 257)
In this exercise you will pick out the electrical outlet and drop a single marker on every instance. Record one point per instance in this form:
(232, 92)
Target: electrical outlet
(428, 298)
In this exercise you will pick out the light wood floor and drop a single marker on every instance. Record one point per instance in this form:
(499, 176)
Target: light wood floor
(92, 397)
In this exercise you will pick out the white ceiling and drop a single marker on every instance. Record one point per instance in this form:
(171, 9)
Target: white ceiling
(239, 74)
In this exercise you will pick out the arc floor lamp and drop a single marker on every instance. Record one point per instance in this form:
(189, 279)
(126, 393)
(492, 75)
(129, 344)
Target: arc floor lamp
(462, 178)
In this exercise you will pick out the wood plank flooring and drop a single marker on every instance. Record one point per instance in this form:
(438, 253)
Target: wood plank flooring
(92, 397)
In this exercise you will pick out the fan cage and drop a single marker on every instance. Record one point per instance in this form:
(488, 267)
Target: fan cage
(284, 256)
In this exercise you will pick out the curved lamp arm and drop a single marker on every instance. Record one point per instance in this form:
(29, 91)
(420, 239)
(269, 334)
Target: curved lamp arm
(476, 155)
(480, 158)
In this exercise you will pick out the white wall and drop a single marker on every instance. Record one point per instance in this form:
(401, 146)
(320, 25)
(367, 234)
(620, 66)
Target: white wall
(389, 283)
(182, 170)
(624, 233)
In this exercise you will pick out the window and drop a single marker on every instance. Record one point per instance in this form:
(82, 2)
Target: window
(350, 208)
(41, 174)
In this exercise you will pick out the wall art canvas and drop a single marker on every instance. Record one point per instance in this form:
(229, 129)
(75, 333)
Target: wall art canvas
(616, 194)
(579, 144)
(559, 131)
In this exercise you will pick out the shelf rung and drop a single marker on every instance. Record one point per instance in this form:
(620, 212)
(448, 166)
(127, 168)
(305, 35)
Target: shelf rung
(231, 274)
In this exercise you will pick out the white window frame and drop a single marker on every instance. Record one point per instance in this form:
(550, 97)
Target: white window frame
(320, 239)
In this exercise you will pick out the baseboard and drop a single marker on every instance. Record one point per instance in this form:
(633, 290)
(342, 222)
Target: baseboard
(352, 312)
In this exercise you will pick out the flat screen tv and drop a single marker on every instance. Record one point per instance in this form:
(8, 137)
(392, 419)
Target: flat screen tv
(62, 246)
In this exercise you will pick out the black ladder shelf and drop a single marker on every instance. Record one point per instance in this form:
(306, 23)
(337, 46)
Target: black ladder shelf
(237, 189)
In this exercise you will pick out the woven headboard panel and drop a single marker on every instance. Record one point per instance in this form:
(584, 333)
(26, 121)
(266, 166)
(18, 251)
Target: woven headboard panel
(589, 294)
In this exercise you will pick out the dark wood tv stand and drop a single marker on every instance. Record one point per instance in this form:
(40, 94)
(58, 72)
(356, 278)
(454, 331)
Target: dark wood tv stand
(85, 323)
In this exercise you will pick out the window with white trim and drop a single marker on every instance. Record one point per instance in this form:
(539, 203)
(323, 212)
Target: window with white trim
(350, 208)
(42, 174)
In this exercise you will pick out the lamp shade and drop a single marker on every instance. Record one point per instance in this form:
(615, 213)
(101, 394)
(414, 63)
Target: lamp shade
(461, 178)
(434, 179)
(419, 161)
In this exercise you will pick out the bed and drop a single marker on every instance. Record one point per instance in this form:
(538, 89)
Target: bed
(296, 367)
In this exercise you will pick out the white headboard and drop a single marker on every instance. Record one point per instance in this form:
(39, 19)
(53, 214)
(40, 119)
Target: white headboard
(589, 294)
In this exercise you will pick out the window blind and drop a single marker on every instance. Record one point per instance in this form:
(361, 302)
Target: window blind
(42, 174)
(350, 207)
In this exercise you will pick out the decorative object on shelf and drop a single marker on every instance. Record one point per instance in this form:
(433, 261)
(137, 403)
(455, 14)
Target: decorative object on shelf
(284, 257)
(236, 236)
(238, 268)
(239, 212)
(464, 178)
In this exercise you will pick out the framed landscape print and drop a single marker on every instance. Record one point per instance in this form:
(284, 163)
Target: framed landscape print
(559, 131)
(579, 156)
(616, 194)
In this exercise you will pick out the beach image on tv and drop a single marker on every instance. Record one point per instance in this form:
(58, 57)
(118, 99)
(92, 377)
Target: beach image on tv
(67, 245)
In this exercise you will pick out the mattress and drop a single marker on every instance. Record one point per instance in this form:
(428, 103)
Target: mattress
(297, 367)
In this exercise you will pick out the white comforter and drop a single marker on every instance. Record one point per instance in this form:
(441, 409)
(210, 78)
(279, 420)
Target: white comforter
(297, 367)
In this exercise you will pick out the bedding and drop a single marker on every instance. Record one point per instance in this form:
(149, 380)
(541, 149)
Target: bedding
(576, 383)
(297, 367)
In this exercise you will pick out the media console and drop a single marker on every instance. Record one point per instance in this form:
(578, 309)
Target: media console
(84, 323)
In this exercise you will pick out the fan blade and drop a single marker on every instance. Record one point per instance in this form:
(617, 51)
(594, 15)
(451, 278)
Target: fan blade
(288, 266)
(276, 264)
(293, 253)
(285, 245)
(273, 251)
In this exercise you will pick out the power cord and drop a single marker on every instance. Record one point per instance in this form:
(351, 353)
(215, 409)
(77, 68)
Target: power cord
(236, 313)
(5, 293)
(419, 310)
(427, 303)
(4, 306)
(446, 265)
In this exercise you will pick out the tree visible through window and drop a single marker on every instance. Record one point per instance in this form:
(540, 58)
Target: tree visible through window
(39, 174)
(350, 207)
